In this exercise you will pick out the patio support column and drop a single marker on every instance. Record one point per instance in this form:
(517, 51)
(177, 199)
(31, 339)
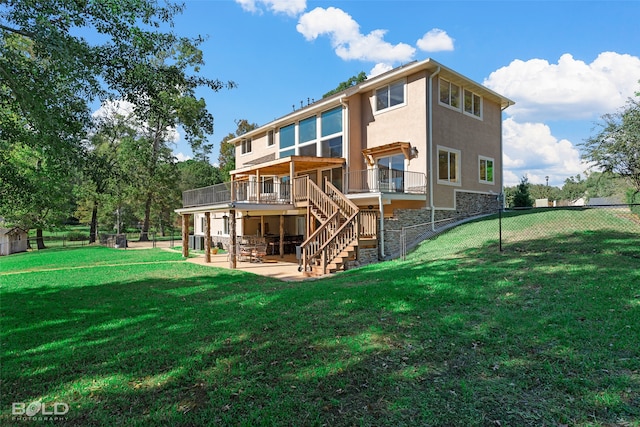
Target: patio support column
(185, 235)
(232, 238)
(281, 236)
(207, 237)
(258, 188)
(292, 171)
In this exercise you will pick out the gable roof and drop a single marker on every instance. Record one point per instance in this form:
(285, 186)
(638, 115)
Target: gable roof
(428, 65)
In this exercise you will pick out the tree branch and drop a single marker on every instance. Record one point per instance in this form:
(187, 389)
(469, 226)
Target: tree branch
(17, 31)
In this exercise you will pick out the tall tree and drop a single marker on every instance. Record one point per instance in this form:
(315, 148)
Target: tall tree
(40, 42)
(616, 147)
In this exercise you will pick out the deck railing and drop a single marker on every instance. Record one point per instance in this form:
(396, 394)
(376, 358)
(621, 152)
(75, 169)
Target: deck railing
(243, 191)
(386, 181)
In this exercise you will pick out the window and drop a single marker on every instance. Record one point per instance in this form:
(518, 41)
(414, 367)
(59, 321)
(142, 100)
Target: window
(449, 94)
(332, 147)
(225, 224)
(307, 130)
(331, 121)
(318, 135)
(246, 146)
(390, 96)
(486, 170)
(270, 140)
(308, 150)
(472, 103)
(448, 166)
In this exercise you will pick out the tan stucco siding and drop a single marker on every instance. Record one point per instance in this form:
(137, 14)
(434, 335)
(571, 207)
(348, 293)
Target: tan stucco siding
(259, 148)
(355, 138)
(473, 138)
(406, 123)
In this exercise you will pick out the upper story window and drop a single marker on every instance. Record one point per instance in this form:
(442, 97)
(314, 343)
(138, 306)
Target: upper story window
(246, 146)
(270, 139)
(449, 94)
(390, 96)
(448, 166)
(486, 170)
(318, 135)
(472, 103)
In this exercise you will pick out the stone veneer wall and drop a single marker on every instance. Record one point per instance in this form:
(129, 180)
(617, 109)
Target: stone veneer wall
(467, 204)
(366, 256)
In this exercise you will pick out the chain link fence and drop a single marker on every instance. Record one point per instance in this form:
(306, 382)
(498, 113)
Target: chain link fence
(583, 229)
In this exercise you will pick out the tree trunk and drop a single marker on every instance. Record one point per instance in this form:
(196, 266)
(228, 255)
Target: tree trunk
(144, 234)
(39, 239)
(93, 227)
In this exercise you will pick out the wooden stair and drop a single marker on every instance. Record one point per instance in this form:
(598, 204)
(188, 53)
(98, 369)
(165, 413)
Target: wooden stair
(335, 241)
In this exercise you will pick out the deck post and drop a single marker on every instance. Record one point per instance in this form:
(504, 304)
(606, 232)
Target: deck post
(185, 235)
(232, 238)
(207, 237)
(281, 236)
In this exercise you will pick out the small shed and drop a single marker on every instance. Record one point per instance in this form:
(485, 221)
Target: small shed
(13, 240)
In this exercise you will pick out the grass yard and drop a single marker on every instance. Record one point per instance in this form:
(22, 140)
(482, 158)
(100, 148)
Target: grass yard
(459, 334)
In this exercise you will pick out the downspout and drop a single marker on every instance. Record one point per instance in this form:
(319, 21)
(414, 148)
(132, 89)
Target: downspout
(430, 146)
(345, 144)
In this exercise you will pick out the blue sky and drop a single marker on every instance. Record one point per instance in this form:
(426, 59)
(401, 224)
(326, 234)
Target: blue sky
(564, 63)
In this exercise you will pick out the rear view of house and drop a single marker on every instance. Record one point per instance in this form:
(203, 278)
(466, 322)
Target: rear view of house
(339, 178)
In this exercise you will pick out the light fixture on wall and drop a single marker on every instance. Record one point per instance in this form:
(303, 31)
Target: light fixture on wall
(247, 215)
(413, 153)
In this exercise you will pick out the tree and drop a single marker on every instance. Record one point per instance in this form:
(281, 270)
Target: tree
(137, 61)
(521, 197)
(352, 81)
(102, 175)
(616, 148)
(227, 157)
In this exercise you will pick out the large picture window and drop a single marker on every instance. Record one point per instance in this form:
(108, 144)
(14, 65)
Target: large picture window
(318, 135)
(448, 166)
(390, 96)
(486, 170)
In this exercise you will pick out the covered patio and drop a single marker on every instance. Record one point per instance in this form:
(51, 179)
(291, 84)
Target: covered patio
(274, 266)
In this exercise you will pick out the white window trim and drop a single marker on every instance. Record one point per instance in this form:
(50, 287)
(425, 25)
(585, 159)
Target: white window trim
(273, 138)
(458, 182)
(480, 159)
(460, 96)
(394, 107)
(481, 105)
(243, 145)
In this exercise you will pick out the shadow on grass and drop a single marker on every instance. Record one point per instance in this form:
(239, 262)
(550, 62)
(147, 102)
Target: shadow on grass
(528, 337)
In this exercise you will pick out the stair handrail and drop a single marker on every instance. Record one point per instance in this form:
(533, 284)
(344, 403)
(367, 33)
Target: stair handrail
(345, 204)
(307, 247)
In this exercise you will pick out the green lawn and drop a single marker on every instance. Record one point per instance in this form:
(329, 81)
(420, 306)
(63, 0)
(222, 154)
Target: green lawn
(538, 335)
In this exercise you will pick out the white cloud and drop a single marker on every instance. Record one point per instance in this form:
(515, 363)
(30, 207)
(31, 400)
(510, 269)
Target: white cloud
(181, 157)
(379, 68)
(436, 40)
(288, 7)
(347, 40)
(570, 89)
(530, 149)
